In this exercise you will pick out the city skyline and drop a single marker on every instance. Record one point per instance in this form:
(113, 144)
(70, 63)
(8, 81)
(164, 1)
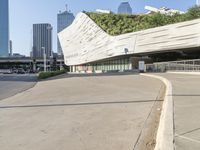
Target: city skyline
(21, 20)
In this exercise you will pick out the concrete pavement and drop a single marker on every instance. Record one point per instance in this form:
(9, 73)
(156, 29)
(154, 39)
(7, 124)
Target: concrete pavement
(186, 97)
(11, 84)
(82, 113)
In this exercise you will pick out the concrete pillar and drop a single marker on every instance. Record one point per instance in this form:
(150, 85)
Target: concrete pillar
(34, 66)
(130, 64)
(70, 69)
(73, 69)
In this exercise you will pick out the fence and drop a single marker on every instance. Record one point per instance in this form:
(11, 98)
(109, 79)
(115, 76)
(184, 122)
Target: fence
(184, 65)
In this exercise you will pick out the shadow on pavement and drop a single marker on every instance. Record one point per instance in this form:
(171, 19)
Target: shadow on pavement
(91, 75)
(78, 104)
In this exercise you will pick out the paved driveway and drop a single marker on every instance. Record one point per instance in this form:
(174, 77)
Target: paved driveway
(79, 113)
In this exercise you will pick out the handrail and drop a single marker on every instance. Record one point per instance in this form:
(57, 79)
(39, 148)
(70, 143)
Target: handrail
(183, 65)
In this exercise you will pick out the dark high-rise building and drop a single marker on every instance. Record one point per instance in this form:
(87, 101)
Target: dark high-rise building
(42, 40)
(64, 19)
(4, 28)
(124, 8)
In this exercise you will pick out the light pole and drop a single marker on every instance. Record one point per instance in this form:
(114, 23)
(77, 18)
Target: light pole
(45, 59)
(61, 65)
(49, 29)
(51, 61)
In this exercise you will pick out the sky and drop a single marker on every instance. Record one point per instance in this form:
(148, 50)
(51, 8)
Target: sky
(24, 13)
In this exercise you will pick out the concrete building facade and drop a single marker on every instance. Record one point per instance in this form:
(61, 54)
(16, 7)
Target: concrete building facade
(42, 40)
(64, 19)
(4, 28)
(87, 47)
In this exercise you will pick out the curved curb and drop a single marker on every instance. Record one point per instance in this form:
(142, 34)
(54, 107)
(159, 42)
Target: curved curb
(165, 133)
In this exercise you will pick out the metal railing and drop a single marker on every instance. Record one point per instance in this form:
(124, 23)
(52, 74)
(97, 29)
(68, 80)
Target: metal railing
(184, 65)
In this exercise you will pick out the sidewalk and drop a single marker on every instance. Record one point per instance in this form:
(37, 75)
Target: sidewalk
(186, 97)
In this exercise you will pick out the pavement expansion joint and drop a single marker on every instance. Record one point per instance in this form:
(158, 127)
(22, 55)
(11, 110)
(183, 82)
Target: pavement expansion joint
(190, 131)
(187, 138)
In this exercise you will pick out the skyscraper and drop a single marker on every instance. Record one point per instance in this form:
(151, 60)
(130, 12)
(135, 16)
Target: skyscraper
(42, 40)
(4, 28)
(124, 8)
(64, 19)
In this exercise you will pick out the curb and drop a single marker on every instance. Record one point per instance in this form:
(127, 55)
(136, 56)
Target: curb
(165, 133)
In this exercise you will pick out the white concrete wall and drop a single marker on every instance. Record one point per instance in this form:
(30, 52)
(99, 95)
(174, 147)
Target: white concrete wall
(84, 41)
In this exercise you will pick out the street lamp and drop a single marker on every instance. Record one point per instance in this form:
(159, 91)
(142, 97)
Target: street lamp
(45, 59)
(49, 29)
(51, 61)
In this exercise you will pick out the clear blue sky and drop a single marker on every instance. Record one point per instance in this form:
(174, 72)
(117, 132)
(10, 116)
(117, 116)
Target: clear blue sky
(23, 13)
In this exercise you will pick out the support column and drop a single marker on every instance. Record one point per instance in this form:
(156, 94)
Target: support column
(130, 64)
(71, 68)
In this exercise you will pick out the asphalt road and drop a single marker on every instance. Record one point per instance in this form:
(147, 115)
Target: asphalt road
(12, 84)
(81, 113)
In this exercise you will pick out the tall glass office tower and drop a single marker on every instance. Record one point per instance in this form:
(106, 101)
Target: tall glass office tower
(124, 8)
(64, 19)
(4, 28)
(42, 40)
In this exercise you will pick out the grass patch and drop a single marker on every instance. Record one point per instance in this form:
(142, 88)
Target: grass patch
(45, 75)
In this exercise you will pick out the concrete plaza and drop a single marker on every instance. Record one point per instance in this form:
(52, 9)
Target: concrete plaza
(81, 113)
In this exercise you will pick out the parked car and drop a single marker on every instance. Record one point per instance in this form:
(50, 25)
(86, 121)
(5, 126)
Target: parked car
(6, 71)
(14, 70)
(20, 71)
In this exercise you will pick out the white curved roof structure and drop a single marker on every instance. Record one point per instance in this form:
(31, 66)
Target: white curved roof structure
(84, 41)
(163, 10)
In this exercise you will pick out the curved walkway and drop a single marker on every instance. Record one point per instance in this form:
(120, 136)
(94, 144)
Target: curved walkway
(81, 113)
(186, 97)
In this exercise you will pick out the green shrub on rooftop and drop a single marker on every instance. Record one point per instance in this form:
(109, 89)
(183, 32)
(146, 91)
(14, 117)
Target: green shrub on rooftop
(194, 12)
(116, 24)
